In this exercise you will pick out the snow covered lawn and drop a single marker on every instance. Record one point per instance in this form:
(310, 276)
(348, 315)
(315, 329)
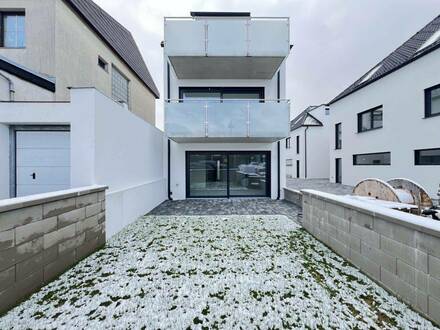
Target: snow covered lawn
(213, 272)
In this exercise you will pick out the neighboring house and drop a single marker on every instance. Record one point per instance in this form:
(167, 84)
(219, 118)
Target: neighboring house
(225, 107)
(71, 43)
(390, 117)
(307, 147)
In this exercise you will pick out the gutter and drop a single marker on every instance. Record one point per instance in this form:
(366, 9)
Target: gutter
(11, 86)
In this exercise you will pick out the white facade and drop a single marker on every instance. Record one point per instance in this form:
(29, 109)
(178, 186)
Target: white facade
(206, 54)
(405, 128)
(102, 151)
(312, 153)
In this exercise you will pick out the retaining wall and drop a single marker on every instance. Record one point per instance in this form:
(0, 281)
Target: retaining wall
(398, 250)
(293, 196)
(41, 236)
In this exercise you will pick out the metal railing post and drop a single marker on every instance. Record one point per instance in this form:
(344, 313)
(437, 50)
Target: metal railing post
(248, 123)
(206, 119)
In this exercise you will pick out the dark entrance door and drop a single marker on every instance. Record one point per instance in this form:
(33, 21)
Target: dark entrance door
(227, 174)
(338, 169)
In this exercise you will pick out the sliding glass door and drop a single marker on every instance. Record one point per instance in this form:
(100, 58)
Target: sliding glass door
(227, 174)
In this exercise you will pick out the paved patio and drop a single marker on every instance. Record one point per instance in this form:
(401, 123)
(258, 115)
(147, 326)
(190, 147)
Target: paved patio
(244, 206)
(320, 185)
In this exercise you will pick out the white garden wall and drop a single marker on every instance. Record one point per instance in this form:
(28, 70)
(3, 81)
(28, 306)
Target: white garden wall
(109, 146)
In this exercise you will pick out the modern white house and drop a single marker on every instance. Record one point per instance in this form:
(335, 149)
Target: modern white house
(308, 143)
(225, 104)
(389, 120)
(48, 46)
(77, 108)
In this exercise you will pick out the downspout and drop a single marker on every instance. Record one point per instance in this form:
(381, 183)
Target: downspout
(11, 87)
(305, 152)
(278, 171)
(169, 171)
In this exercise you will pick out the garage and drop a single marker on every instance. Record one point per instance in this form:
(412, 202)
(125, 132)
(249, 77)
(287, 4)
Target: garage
(42, 160)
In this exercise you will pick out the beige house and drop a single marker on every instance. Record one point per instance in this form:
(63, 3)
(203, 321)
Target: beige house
(47, 46)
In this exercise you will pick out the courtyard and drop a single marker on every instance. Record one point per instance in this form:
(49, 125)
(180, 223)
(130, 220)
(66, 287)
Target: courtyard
(209, 264)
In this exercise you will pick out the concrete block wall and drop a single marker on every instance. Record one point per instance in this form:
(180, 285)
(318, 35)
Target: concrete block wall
(41, 236)
(399, 251)
(293, 196)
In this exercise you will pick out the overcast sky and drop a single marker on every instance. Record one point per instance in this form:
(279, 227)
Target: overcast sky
(335, 41)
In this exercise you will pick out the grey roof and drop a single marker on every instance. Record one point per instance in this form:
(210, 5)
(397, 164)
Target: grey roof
(116, 36)
(405, 54)
(299, 120)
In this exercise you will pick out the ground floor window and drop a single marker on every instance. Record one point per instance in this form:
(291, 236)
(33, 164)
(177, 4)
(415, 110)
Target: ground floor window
(228, 174)
(427, 157)
(297, 169)
(338, 170)
(379, 158)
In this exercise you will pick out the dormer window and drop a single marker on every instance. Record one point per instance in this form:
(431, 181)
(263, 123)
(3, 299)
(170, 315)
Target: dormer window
(12, 29)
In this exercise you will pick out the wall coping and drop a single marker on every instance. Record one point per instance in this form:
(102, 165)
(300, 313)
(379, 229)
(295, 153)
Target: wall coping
(422, 224)
(292, 190)
(26, 201)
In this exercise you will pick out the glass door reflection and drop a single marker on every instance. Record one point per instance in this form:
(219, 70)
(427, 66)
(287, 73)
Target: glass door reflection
(248, 174)
(207, 175)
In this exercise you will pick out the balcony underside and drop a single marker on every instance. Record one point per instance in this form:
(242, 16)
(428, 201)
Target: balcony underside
(225, 139)
(225, 67)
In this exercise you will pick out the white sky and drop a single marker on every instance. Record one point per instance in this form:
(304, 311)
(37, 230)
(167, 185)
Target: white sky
(335, 41)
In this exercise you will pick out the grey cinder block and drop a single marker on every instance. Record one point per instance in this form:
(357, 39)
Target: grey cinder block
(366, 265)
(434, 287)
(406, 273)
(56, 208)
(101, 217)
(85, 200)
(54, 269)
(7, 239)
(365, 234)
(35, 229)
(7, 278)
(55, 237)
(70, 217)
(402, 289)
(93, 209)
(429, 244)
(28, 266)
(86, 224)
(395, 231)
(19, 217)
(434, 309)
(101, 196)
(71, 243)
(434, 267)
(386, 261)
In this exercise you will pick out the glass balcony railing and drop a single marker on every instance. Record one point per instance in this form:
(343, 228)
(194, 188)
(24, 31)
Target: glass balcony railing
(264, 120)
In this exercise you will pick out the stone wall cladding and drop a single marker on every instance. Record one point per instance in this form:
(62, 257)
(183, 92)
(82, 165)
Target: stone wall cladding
(402, 256)
(42, 236)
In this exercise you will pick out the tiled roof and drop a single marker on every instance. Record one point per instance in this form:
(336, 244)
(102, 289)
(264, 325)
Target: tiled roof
(299, 120)
(117, 37)
(405, 54)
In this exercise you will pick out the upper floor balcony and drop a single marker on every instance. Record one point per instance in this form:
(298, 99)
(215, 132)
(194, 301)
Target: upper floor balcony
(226, 47)
(227, 120)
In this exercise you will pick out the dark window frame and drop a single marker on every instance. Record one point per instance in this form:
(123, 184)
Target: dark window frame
(288, 141)
(297, 145)
(298, 169)
(417, 157)
(371, 153)
(103, 64)
(338, 169)
(4, 13)
(338, 136)
(359, 118)
(268, 154)
(428, 105)
(222, 90)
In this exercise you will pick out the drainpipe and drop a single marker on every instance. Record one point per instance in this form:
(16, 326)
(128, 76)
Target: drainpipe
(11, 86)
(169, 171)
(305, 152)
(278, 171)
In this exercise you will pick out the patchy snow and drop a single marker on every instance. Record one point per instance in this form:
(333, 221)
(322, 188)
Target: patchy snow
(213, 272)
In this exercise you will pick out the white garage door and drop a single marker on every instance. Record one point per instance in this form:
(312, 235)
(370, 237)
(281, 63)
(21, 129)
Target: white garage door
(42, 161)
